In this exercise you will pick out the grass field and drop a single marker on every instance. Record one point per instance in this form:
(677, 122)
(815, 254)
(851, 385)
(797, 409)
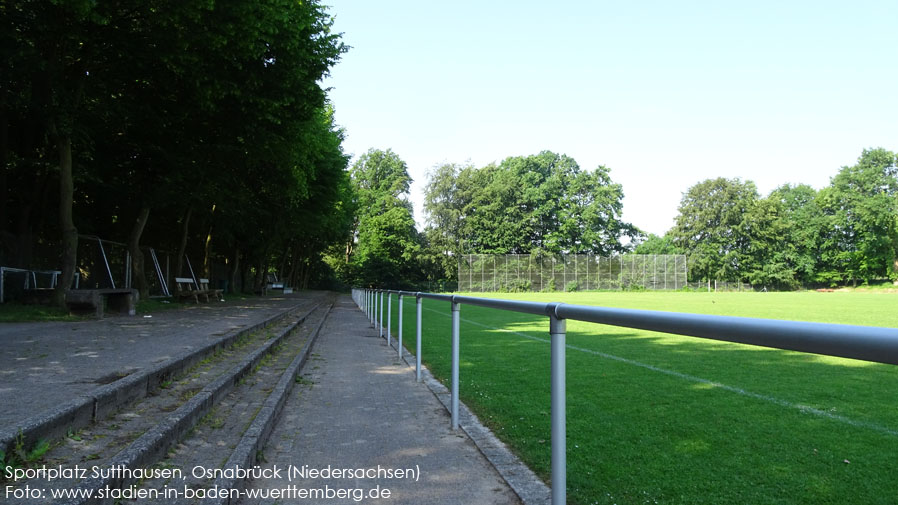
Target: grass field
(656, 418)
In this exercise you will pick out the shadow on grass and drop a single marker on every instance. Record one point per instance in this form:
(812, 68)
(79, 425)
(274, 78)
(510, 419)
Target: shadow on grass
(17, 313)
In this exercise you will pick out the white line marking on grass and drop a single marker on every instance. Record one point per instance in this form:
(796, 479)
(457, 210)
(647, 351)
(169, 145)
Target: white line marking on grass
(770, 399)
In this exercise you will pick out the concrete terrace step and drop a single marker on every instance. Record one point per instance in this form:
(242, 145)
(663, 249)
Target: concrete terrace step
(138, 436)
(59, 377)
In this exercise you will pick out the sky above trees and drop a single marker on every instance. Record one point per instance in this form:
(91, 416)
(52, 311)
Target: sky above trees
(663, 94)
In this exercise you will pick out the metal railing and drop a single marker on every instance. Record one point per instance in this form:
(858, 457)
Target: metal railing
(868, 343)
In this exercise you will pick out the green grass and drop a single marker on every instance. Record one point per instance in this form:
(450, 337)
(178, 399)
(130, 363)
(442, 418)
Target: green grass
(658, 418)
(15, 312)
(153, 305)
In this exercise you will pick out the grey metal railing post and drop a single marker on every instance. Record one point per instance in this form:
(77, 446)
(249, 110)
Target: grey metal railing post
(400, 325)
(381, 313)
(418, 301)
(455, 346)
(389, 318)
(557, 332)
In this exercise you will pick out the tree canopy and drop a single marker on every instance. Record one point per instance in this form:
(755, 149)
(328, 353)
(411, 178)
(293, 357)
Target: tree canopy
(525, 203)
(197, 124)
(844, 233)
(385, 244)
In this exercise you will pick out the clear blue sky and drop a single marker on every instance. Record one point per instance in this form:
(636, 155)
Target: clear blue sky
(665, 94)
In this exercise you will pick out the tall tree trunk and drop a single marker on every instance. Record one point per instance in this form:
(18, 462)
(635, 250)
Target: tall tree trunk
(182, 248)
(137, 262)
(307, 273)
(235, 272)
(260, 277)
(207, 249)
(24, 237)
(246, 283)
(294, 266)
(4, 169)
(282, 266)
(66, 219)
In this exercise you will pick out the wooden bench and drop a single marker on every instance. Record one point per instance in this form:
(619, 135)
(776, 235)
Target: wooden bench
(186, 289)
(217, 293)
(93, 301)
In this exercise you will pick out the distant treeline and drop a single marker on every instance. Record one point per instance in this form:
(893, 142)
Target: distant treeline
(796, 236)
(526, 203)
(187, 126)
(544, 203)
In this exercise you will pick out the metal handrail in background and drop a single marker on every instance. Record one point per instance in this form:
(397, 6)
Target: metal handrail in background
(868, 343)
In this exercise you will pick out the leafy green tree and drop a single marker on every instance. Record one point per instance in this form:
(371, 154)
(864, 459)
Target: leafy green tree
(498, 219)
(541, 202)
(445, 198)
(590, 214)
(801, 228)
(862, 232)
(765, 259)
(208, 113)
(712, 229)
(653, 244)
(386, 242)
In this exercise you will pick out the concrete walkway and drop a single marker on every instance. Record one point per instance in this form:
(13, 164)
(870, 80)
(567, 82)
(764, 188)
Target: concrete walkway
(358, 407)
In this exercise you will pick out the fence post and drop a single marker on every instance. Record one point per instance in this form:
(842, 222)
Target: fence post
(455, 345)
(557, 331)
(418, 301)
(400, 325)
(389, 318)
(381, 313)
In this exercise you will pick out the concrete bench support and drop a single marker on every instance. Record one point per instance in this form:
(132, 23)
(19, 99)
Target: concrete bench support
(91, 301)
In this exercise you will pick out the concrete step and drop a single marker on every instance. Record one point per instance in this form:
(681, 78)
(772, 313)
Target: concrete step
(184, 402)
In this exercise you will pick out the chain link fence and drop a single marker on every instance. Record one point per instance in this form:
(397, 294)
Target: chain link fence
(570, 272)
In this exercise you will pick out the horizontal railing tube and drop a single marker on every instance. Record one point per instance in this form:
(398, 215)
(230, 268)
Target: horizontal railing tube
(540, 309)
(433, 296)
(869, 343)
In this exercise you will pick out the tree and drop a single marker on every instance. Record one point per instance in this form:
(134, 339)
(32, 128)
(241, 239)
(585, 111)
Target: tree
(711, 227)
(590, 214)
(800, 231)
(141, 108)
(445, 198)
(541, 202)
(653, 244)
(765, 259)
(862, 232)
(386, 242)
